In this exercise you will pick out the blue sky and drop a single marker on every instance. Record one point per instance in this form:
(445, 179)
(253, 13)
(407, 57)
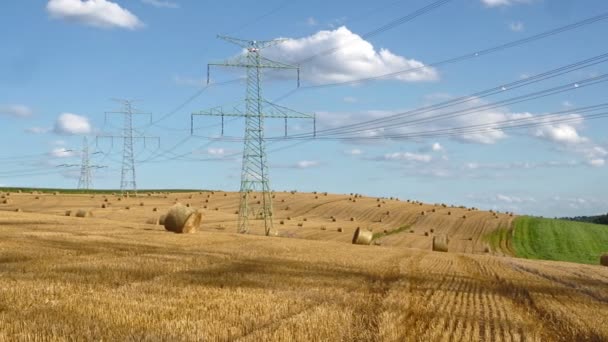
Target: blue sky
(63, 61)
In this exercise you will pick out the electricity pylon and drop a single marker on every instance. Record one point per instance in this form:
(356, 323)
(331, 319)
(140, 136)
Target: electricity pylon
(127, 177)
(254, 171)
(85, 181)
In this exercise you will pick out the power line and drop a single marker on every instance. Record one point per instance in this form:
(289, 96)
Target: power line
(501, 88)
(464, 57)
(392, 24)
(128, 175)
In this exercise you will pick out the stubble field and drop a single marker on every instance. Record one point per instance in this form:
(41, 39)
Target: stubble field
(114, 277)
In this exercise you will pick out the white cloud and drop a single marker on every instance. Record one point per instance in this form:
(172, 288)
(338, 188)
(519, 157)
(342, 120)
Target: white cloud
(161, 4)
(437, 147)
(96, 13)
(15, 110)
(354, 152)
(61, 152)
(38, 130)
(311, 21)
(513, 199)
(498, 3)
(305, 164)
(597, 162)
(68, 123)
(350, 99)
(560, 133)
(408, 156)
(188, 81)
(216, 151)
(353, 58)
(516, 26)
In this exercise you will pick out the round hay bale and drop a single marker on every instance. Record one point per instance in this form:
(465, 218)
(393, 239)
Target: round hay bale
(182, 219)
(301, 224)
(362, 237)
(423, 213)
(141, 204)
(604, 259)
(103, 206)
(84, 213)
(281, 222)
(352, 219)
(68, 212)
(340, 230)
(18, 210)
(154, 209)
(426, 233)
(6, 201)
(440, 243)
(323, 228)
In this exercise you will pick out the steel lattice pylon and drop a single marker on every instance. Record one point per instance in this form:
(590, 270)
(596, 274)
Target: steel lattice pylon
(254, 171)
(84, 182)
(127, 175)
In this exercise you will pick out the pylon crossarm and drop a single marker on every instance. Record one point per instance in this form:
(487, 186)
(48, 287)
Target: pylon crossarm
(273, 110)
(247, 43)
(265, 63)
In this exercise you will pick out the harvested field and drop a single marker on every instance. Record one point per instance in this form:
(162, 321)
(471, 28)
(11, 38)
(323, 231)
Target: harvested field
(332, 211)
(64, 278)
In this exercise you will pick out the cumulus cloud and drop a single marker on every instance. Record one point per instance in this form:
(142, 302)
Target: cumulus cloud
(15, 110)
(306, 164)
(498, 3)
(161, 4)
(96, 13)
(61, 152)
(216, 151)
(71, 124)
(516, 26)
(354, 152)
(437, 147)
(513, 199)
(38, 130)
(560, 133)
(188, 81)
(353, 58)
(407, 156)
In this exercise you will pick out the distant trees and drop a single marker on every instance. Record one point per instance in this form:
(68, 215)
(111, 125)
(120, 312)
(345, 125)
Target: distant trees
(600, 219)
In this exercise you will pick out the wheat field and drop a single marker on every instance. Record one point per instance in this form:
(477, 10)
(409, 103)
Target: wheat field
(114, 278)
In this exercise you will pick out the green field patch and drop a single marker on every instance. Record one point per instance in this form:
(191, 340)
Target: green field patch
(561, 240)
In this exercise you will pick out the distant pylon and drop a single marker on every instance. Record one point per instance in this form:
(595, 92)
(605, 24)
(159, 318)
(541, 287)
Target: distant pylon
(128, 180)
(254, 171)
(127, 175)
(84, 182)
